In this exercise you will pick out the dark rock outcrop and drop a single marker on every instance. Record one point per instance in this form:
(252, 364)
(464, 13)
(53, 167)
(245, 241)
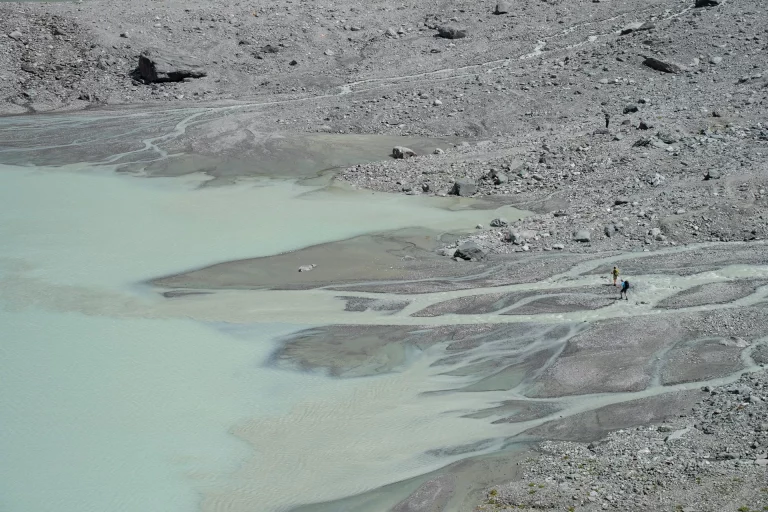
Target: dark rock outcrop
(662, 65)
(503, 7)
(157, 65)
(464, 188)
(470, 251)
(451, 32)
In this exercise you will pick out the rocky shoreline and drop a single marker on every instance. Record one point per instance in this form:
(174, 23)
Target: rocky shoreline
(714, 457)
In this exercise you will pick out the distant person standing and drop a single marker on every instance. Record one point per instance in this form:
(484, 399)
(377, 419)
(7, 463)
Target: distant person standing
(615, 274)
(624, 289)
(607, 119)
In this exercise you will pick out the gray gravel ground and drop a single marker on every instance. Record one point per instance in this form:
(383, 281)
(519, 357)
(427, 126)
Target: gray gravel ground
(713, 457)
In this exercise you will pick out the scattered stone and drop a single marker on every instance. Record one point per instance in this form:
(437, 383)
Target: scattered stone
(470, 251)
(402, 152)
(707, 3)
(500, 178)
(637, 26)
(692, 456)
(451, 32)
(499, 223)
(629, 109)
(735, 341)
(307, 268)
(642, 142)
(438, 151)
(16, 35)
(666, 137)
(712, 175)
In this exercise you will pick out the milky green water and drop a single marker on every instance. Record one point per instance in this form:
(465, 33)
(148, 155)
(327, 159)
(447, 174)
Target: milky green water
(107, 405)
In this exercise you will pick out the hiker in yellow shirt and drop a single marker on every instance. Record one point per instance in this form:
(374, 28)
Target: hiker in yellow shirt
(615, 275)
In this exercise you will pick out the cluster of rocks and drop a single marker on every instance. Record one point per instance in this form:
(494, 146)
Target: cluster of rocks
(598, 204)
(714, 457)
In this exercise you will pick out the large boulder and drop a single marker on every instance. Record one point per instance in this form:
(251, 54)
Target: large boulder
(662, 65)
(470, 251)
(157, 65)
(500, 178)
(464, 188)
(451, 32)
(503, 7)
(707, 3)
(402, 152)
(582, 235)
(712, 175)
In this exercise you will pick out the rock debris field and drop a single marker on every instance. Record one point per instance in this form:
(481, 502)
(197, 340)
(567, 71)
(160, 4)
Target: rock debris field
(713, 458)
(622, 127)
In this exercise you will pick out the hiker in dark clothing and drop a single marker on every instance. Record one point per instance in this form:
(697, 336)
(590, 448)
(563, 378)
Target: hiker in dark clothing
(607, 119)
(624, 289)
